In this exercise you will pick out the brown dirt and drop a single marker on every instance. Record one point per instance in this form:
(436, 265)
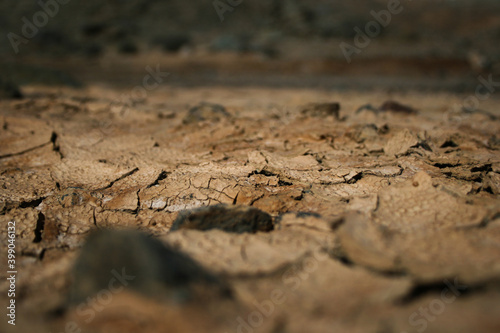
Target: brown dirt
(360, 197)
(399, 204)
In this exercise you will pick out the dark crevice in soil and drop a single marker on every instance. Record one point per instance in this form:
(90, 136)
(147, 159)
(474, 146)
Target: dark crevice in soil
(130, 173)
(58, 312)
(355, 179)
(337, 222)
(445, 165)
(138, 203)
(235, 200)
(163, 175)
(268, 173)
(486, 221)
(94, 219)
(40, 225)
(424, 145)
(387, 273)
(32, 203)
(488, 190)
(345, 260)
(284, 183)
(263, 172)
(42, 254)
(449, 144)
(254, 200)
(448, 288)
(24, 151)
(482, 168)
(128, 211)
(55, 145)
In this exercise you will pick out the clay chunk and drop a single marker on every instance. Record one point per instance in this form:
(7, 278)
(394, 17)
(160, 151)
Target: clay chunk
(229, 218)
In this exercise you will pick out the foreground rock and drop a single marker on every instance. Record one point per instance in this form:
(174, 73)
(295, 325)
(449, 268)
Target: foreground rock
(116, 260)
(238, 219)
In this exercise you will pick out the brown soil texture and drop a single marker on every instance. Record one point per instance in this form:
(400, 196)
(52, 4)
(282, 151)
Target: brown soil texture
(382, 215)
(169, 172)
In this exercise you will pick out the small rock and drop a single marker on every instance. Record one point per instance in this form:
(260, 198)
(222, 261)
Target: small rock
(397, 107)
(238, 219)
(112, 260)
(206, 111)
(322, 110)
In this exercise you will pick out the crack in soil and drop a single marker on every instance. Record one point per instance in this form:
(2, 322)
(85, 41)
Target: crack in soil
(25, 151)
(55, 145)
(128, 174)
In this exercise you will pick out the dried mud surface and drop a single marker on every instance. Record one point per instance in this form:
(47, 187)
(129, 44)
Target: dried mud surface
(385, 219)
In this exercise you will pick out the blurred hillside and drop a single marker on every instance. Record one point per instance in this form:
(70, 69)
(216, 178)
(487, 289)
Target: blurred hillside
(92, 28)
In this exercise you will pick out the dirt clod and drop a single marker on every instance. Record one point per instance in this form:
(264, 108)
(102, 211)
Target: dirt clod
(238, 219)
(322, 110)
(397, 107)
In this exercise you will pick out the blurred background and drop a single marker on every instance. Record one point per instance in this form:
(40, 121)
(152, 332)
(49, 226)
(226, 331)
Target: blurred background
(273, 42)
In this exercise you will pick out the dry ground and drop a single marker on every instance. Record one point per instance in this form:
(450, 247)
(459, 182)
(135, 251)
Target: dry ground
(385, 220)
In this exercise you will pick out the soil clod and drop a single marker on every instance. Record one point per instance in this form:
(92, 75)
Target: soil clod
(238, 219)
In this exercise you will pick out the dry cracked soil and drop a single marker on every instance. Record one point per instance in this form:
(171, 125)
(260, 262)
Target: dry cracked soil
(322, 214)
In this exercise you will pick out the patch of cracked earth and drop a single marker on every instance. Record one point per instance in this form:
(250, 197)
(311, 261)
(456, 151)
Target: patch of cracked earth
(383, 220)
